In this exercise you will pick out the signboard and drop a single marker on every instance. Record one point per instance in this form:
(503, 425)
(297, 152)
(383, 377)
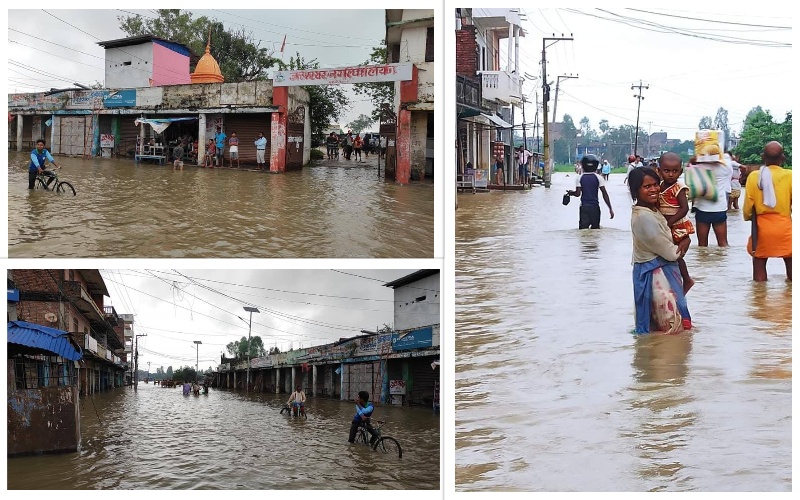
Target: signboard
(90, 99)
(106, 141)
(120, 98)
(415, 339)
(13, 295)
(481, 179)
(339, 76)
(397, 387)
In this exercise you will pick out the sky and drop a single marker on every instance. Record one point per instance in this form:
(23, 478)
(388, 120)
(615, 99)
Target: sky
(688, 77)
(298, 308)
(63, 43)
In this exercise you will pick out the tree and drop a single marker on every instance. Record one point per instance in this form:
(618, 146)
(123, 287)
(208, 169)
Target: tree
(169, 372)
(274, 350)
(327, 101)
(378, 92)
(239, 348)
(759, 129)
(603, 126)
(236, 51)
(585, 127)
(721, 123)
(705, 123)
(361, 123)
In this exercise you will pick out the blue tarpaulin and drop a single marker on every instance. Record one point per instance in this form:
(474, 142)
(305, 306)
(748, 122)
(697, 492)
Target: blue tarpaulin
(43, 337)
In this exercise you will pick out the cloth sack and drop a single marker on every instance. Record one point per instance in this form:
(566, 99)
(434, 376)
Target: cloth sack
(701, 182)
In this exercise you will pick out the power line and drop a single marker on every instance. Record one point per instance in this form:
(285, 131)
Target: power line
(709, 20)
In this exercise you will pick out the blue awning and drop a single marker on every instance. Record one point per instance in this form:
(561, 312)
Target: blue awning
(43, 337)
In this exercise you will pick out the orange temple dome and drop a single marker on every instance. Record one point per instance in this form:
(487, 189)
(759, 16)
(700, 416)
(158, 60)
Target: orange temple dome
(207, 70)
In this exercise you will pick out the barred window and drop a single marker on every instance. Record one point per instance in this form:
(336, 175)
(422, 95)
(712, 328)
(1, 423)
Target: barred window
(429, 46)
(34, 371)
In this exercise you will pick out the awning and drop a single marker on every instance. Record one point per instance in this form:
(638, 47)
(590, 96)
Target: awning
(44, 338)
(161, 124)
(497, 121)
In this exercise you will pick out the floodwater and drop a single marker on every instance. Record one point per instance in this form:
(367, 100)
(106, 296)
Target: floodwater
(158, 439)
(554, 393)
(332, 210)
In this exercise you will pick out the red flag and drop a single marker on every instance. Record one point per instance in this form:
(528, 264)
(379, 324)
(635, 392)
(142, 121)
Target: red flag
(283, 45)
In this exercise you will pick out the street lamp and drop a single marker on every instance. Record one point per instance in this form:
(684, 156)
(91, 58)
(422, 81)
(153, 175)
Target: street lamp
(251, 310)
(197, 358)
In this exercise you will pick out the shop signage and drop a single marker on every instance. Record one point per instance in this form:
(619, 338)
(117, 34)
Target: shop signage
(339, 76)
(415, 339)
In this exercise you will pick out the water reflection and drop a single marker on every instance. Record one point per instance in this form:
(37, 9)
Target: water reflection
(157, 438)
(123, 210)
(553, 393)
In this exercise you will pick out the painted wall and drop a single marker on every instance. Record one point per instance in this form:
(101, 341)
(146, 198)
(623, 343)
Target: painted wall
(169, 67)
(42, 420)
(298, 97)
(409, 313)
(137, 74)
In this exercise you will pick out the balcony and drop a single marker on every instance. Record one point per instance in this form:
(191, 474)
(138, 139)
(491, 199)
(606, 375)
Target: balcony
(111, 315)
(83, 301)
(500, 86)
(468, 95)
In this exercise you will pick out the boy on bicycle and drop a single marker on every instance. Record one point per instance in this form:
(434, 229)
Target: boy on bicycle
(297, 400)
(364, 411)
(36, 167)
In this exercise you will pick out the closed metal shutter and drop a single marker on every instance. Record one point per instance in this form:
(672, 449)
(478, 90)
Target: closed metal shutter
(425, 379)
(247, 126)
(125, 145)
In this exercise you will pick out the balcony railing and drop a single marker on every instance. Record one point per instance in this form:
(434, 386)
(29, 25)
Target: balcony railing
(500, 86)
(111, 315)
(74, 290)
(468, 91)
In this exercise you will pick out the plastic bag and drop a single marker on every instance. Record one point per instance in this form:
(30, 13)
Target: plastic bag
(701, 182)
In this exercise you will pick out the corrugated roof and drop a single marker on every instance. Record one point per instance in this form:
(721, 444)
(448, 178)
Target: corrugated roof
(43, 337)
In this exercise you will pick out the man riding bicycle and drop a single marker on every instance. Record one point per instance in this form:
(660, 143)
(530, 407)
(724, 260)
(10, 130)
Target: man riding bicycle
(364, 411)
(297, 400)
(38, 158)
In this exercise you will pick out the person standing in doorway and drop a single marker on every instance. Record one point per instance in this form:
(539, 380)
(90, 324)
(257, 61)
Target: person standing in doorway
(211, 154)
(499, 170)
(38, 158)
(219, 140)
(233, 144)
(261, 150)
(768, 204)
(588, 186)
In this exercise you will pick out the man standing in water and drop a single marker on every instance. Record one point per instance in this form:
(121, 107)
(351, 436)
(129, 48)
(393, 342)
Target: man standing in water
(36, 167)
(261, 150)
(768, 204)
(587, 186)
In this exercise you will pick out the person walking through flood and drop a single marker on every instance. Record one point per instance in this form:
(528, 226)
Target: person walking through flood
(657, 286)
(768, 205)
(588, 186)
(713, 214)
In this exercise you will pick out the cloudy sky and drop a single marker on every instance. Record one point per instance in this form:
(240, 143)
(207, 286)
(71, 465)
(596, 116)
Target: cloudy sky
(299, 308)
(55, 48)
(689, 76)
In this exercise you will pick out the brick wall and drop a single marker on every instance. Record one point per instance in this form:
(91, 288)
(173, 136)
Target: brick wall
(466, 52)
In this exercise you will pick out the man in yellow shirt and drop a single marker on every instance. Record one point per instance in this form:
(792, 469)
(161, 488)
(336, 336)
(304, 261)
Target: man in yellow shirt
(768, 203)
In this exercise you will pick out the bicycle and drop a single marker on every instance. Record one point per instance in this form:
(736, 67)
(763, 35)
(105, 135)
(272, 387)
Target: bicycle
(62, 187)
(290, 411)
(385, 444)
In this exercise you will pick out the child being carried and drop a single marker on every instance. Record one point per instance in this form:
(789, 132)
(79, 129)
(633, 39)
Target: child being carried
(673, 203)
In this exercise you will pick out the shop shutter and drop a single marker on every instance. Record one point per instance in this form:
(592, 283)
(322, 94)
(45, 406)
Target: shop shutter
(247, 126)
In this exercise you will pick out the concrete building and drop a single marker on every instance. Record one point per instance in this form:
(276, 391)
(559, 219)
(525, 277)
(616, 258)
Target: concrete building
(485, 117)
(410, 39)
(145, 61)
(398, 366)
(72, 300)
(124, 121)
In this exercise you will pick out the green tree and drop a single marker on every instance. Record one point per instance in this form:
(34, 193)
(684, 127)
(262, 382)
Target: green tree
(705, 123)
(327, 101)
(721, 123)
(169, 372)
(236, 51)
(378, 92)
(274, 350)
(361, 123)
(759, 129)
(239, 348)
(603, 126)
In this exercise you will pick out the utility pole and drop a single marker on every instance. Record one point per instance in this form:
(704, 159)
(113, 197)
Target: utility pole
(545, 99)
(251, 310)
(639, 98)
(558, 81)
(536, 128)
(136, 361)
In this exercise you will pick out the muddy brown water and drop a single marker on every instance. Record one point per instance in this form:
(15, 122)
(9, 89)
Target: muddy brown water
(334, 209)
(553, 392)
(158, 439)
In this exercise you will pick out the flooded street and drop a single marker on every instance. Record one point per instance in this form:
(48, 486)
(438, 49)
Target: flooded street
(554, 393)
(147, 210)
(157, 438)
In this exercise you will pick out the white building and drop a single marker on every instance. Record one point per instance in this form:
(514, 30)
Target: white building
(145, 61)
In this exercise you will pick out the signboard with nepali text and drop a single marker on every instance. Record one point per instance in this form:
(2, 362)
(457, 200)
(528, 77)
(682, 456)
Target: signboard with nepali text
(339, 76)
(415, 339)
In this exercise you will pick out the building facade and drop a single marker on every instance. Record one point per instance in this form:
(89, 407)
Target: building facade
(145, 61)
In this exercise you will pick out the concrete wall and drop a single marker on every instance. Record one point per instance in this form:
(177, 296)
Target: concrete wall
(169, 67)
(419, 138)
(137, 74)
(409, 314)
(41, 420)
(298, 97)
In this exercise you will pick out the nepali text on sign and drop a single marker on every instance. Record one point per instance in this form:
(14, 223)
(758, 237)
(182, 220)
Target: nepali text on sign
(336, 76)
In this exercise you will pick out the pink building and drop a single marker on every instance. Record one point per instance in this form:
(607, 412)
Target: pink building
(145, 61)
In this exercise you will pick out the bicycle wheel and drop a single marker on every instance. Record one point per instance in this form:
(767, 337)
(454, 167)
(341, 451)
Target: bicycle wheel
(388, 444)
(65, 187)
(361, 436)
(39, 184)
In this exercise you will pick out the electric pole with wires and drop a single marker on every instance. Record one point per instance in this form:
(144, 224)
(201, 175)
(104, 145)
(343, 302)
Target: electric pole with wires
(640, 98)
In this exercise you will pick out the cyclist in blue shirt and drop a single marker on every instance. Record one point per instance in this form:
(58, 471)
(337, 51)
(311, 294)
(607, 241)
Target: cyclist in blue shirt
(38, 158)
(364, 411)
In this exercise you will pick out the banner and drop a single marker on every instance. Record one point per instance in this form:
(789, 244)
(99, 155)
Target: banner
(339, 76)
(415, 339)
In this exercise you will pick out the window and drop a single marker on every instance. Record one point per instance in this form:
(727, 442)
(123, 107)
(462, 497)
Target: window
(394, 53)
(126, 63)
(429, 46)
(421, 298)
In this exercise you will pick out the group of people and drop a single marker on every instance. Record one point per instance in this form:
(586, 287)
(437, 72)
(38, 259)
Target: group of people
(523, 174)
(660, 227)
(215, 151)
(354, 145)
